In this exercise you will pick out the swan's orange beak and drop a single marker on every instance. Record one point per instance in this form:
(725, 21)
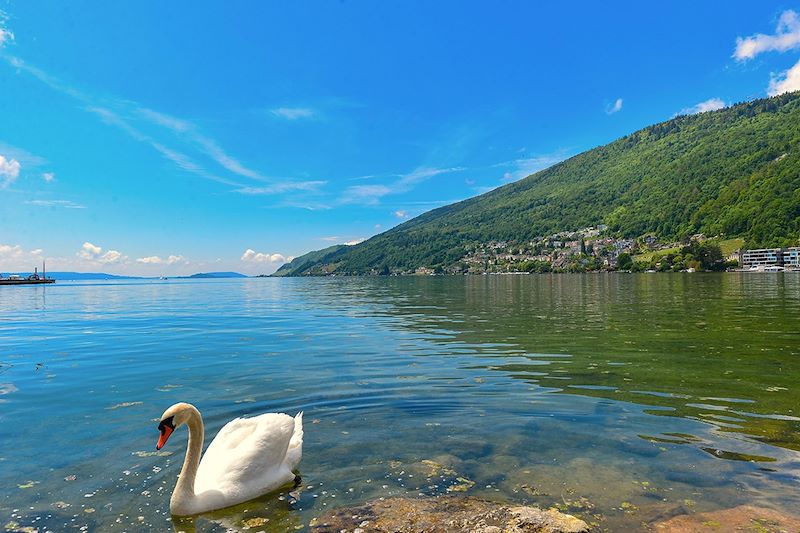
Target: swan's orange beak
(166, 431)
(166, 427)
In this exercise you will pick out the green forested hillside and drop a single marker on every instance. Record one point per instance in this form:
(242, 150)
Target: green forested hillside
(733, 172)
(299, 264)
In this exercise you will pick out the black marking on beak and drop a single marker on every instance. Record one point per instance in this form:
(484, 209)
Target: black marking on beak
(168, 422)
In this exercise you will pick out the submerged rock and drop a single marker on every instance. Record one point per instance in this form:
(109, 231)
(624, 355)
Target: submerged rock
(446, 514)
(742, 518)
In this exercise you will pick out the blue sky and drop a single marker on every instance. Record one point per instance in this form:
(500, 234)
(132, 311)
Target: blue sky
(174, 137)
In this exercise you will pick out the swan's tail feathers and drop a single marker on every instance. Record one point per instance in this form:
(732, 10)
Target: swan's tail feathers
(295, 451)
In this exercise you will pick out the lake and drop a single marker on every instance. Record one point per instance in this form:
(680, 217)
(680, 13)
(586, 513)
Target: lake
(619, 398)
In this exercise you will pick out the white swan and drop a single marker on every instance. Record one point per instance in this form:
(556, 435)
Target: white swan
(248, 457)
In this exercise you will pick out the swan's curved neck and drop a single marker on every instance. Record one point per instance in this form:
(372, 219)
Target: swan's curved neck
(184, 489)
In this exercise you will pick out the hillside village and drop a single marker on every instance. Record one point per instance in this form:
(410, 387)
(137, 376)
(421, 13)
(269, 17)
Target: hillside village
(591, 249)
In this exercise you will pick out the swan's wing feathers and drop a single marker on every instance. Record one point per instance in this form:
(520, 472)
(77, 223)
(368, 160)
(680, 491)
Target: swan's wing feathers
(245, 449)
(295, 451)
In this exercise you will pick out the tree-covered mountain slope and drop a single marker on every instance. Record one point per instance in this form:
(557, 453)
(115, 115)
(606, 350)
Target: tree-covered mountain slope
(733, 172)
(299, 264)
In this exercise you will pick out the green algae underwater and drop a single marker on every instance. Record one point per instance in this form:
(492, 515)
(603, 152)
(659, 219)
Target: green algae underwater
(618, 398)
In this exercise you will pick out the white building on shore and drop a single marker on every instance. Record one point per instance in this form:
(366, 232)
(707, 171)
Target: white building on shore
(785, 257)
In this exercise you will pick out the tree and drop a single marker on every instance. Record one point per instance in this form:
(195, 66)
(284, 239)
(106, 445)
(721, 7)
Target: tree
(624, 261)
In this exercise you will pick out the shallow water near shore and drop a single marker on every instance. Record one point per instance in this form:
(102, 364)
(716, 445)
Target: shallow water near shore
(618, 398)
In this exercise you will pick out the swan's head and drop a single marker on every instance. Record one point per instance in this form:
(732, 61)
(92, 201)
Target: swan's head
(175, 416)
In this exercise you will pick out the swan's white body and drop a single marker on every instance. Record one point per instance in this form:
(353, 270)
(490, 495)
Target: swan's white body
(248, 457)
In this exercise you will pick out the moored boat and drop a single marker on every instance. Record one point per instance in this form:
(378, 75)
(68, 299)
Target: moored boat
(33, 279)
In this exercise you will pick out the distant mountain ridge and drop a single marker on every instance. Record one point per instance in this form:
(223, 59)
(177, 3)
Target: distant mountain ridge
(212, 275)
(734, 172)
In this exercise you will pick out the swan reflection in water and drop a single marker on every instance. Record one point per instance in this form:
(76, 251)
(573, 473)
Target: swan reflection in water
(272, 513)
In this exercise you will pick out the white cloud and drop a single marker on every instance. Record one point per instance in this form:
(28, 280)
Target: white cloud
(48, 176)
(89, 251)
(94, 254)
(401, 214)
(68, 204)
(615, 107)
(13, 258)
(111, 256)
(786, 37)
(156, 260)
(251, 256)
(292, 113)
(253, 262)
(786, 82)
(712, 104)
(8, 250)
(355, 241)
(9, 171)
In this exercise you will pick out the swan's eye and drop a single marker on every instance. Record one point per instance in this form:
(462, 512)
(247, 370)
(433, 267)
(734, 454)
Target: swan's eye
(165, 427)
(168, 422)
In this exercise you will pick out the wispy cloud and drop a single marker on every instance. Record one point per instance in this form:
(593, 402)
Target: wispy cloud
(167, 121)
(712, 104)
(401, 214)
(353, 242)
(524, 167)
(48, 177)
(283, 187)
(9, 171)
(6, 35)
(615, 107)
(25, 158)
(293, 113)
(190, 133)
(372, 194)
(365, 194)
(180, 159)
(786, 37)
(132, 118)
(67, 204)
(307, 205)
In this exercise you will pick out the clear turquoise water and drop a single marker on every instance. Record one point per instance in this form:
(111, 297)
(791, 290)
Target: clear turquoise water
(621, 398)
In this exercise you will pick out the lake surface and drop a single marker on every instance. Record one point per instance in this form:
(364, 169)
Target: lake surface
(619, 398)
